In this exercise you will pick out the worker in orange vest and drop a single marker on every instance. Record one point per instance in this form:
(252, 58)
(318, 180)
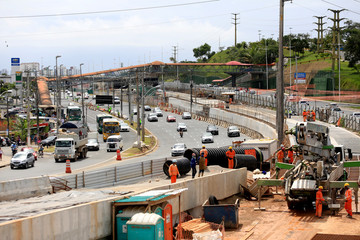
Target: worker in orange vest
(205, 151)
(173, 171)
(290, 155)
(304, 115)
(319, 200)
(281, 154)
(230, 154)
(348, 200)
(313, 115)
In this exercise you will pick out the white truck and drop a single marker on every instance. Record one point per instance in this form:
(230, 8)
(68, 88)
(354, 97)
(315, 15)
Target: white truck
(71, 144)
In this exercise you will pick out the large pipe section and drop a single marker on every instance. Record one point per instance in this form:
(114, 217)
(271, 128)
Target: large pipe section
(250, 162)
(183, 165)
(217, 156)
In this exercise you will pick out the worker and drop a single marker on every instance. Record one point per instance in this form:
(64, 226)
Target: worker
(173, 171)
(319, 200)
(281, 154)
(290, 155)
(230, 154)
(202, 165)
(313, 115)
(205, 151)
(348, 200)
(304, 115)
(193, 165)
(308, 116)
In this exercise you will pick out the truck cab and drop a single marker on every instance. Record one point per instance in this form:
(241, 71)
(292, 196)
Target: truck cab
(114, 142)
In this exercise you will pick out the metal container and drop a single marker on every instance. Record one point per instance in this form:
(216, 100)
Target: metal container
(216, 213)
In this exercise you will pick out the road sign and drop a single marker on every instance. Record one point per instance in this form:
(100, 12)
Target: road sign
(300, 75)
(18, 77)
(104, 99)
(15, 61)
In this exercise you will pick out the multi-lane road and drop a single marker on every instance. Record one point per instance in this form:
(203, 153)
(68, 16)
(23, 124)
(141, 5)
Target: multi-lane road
(165, 133)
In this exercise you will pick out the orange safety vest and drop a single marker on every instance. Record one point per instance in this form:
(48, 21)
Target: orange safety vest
(173, 170)
(348, 195)
(319, 196)
(204, 151)
(230, 154)
(304, 113)
(280, 156)
(291, 156)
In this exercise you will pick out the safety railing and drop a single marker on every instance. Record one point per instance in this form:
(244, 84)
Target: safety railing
(117, 175)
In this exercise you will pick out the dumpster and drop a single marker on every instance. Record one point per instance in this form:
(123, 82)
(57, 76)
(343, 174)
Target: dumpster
(122, 217)
(147, 226)
(216, 212)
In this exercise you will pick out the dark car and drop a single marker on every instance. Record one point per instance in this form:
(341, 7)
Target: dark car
(49, 141)
(212, 129)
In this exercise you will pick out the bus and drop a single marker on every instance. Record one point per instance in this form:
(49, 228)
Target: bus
(99, 121)
(73, 113)
(111, 127)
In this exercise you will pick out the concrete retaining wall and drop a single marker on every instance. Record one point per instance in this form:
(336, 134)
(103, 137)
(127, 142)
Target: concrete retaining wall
(93, 220)
(24, 188)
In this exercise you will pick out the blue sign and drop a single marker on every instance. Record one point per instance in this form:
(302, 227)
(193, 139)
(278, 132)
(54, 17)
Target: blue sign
(15, 61)
(300, 75)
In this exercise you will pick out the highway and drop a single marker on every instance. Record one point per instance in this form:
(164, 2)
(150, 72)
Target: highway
(166, 134)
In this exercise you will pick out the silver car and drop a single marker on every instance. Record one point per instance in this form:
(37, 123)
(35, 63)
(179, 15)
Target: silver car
(182, 126)
(178, 149)
(233, 131)
(158, 112)
(124, 127)
(93, 144)
(152, 117)
(186, 115)
(207, 138)
(22, 159)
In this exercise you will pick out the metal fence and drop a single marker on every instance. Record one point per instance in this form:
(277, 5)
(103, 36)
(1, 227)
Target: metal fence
(117, 175)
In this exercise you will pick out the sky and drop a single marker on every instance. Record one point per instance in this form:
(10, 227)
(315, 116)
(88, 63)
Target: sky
(105, 34)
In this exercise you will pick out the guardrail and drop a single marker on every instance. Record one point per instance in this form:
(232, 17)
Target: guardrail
(124, 174)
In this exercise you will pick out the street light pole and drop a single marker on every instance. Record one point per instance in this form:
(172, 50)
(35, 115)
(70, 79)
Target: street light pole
(267, 68)
(58, 117)
(142, 110)
(28, 109)
(7, 112)
(82, 95)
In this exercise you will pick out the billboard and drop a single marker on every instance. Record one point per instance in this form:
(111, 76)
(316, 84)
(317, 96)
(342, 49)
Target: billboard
(104, 99)
(15, 61)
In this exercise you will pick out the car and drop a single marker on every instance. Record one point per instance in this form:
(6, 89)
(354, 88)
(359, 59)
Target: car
(152, 117)
(158, 112)
(124, 127)
(181, 126)
(207, 138)
(114, 143)
(93, 144)
(134, 111)
(233, 131)
(178, 149)
(303, 102)
(86, 96)
(356, 114)
(70, 94)
(29, 150)
(186, 115)
(22, 159)
(214, 130)
(170, 118)
(49, 141)
(147, 108)
(336, 109)
(116, 100)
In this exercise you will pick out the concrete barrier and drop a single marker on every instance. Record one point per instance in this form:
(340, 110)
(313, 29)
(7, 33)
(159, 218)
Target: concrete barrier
(24, 188)
(93, 220)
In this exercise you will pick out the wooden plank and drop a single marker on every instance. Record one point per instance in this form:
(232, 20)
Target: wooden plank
(247, 235)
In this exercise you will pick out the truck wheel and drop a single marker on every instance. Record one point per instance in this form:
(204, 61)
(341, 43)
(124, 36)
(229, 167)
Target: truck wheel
(76, 158)
(84, 153)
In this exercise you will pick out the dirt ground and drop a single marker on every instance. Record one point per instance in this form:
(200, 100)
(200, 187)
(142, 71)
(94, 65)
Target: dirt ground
(278, 222)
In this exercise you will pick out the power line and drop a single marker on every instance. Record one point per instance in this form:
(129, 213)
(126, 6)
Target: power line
(340, 7)
(109, 11)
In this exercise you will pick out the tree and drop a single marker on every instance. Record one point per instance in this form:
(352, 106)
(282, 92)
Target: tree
(203, 53)
(352, 43)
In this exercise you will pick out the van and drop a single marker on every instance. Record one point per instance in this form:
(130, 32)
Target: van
(114, 142)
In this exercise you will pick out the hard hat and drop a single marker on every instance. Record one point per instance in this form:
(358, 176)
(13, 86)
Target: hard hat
(174, 161)
(282, 145)
(320, 187)
(230, 147)
(203, 146)
(346, 185)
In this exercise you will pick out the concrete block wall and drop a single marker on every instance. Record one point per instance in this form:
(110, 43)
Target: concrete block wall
(24, 188)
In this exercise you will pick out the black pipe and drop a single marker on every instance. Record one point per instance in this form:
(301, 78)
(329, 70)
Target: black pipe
(217, 156)
(183, 165)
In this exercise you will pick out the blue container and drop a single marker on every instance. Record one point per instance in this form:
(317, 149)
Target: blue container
(122, 217)
(158, 211)
(145, 226)
(215, 213)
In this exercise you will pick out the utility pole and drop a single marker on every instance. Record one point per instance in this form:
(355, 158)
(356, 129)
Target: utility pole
(82, 95)
(121, 99)
(143, 108)
(290, 58)
(175, 53)
(138, 109)
(58, 117)
(320, 32)
(280, 79)
(235, 24)
(37, 107)
(259, 35)
(336, 30)
(28, 107)
(129, 100)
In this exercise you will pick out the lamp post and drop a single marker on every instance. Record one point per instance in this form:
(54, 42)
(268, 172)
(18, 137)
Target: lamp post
(290, 58)
(82, 95)
(58, 117)
(267, 68)
(7, 111)
(144, 95)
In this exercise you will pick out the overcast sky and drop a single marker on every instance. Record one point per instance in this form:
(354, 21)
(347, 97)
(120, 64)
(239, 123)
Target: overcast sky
(134, 32)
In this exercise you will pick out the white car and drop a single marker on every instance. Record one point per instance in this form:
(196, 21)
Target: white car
(124, 127)
(178, 149)
(356, 114)
(207, 138)
(93, 144)
(114, 142)
(186, 115)
(116, 100)
(181, 126)
(233, 131)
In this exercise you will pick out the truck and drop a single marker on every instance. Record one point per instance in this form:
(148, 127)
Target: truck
(71, 144)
